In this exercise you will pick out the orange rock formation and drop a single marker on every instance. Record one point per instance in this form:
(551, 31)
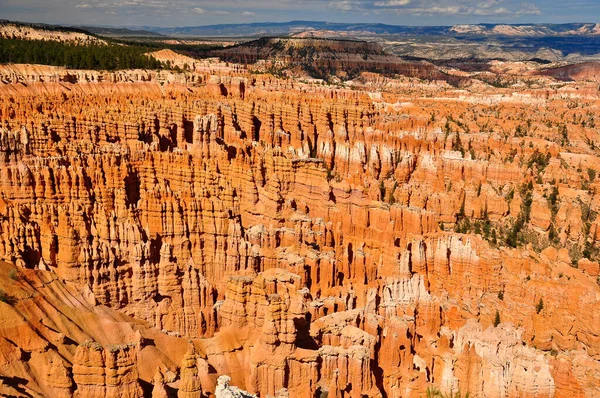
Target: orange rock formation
(159, 230)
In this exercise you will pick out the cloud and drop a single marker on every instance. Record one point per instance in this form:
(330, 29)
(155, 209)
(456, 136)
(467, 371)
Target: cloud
(346, 5)
(500, 8)
(141, 7)
(182, 12)
(200, 10)
(392, 3)
(529, 9)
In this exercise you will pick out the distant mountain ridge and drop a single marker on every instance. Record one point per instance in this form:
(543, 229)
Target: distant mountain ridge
(573, 42)
(294, 27)
(574, 29)
(269, 29)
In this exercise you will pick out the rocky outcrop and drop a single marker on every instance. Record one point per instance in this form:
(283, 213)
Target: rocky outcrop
(497, 363)
(22, 31)
(579, 71)
(224, 390)
(106, 371)
(324, 57)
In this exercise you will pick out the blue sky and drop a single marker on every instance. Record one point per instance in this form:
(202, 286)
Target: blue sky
(201, 12)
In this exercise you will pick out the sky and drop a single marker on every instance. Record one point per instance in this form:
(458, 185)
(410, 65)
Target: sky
(136, 13)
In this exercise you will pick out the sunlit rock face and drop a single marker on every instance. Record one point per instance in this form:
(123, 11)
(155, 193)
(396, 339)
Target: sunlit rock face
(169, 234)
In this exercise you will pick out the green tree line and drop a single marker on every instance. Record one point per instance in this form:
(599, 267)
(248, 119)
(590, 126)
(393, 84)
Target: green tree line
(93, 56)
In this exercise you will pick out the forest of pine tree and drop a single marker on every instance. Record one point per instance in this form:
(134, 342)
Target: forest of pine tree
(70, 55)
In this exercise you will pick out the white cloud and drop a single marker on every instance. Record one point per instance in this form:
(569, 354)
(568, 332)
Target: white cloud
(492, 11)
(447, 10)
(504, 8)
(392, 3)
(345, 5)
(529, 9)
(182, 12)
(407, 7)
(199, 10)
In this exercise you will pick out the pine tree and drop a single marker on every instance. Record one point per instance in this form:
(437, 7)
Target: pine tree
(540, 306)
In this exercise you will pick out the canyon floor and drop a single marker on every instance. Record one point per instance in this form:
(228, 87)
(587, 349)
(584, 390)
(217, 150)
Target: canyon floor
(374, 236)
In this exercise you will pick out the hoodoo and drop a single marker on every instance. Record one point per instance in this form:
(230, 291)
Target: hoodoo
(224, 230)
